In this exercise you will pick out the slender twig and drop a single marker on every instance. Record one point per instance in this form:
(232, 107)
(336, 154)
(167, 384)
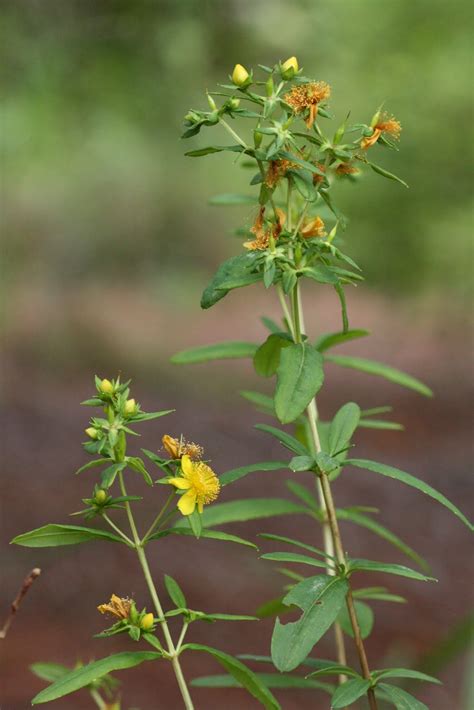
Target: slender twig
(181, 636)
(100, 702)
(157, 519)
(156, 601)
(15, 605)
(117, 530)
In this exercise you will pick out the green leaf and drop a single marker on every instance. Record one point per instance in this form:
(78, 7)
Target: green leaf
(365, 617)
(232, 350)
(230, 199)
(378, 594)
(135, 463)
(322, 274)
(299, 377)
(57, 535)
(320, 598)
(386, 174)
(267, 357)
(404, 673)
(248, 509)
(214, 149)
(236, 272)
(302, 463)
(296, 543)
(262, 402)
(81, 677)
(349, 692)
(91, 464)
(236, 473)
(269, 680)
(210, 534)
(410, 480)
(292, 557)
(380, 424)
(371, 367)
(109, 474)
(401, 699)
(366, 522)
(400, 570)
(290, 442)
(343, 427)
(175, 592)
(303, 181)
(303, 494)
(243, 675)
(335, 669)
(49, 671)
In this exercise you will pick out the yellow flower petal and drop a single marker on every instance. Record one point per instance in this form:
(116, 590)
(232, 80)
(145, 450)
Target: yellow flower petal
(187, 465)
(187, 503)
(180, 482)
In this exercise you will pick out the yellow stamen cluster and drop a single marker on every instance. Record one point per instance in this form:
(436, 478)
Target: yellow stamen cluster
(117, 606)
(385, 124)
(308, 96)
(313, 228)
(200, 483)
(176, 448)
(264, 233)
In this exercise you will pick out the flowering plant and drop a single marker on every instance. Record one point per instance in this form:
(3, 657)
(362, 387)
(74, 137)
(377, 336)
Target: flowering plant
(296, 236)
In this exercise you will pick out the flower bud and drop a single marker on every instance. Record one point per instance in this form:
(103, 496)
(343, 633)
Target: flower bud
(211, 102)
(233, 103)
(240, 75)
(130, 407)
(100, 496)
(92, 432)
(106, 387)
(147, 622)
(289, 68)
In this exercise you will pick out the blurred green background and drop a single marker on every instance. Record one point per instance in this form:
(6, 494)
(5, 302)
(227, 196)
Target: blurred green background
(108, 240)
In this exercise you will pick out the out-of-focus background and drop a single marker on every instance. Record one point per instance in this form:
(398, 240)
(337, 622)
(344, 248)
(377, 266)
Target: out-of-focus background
(108, 240)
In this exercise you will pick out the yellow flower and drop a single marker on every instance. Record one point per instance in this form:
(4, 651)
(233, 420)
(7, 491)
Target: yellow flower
(240, 75)
(200, 483)
(117, 607)
(291, 63)
(384, 124)
(176, 448)
(308, 96)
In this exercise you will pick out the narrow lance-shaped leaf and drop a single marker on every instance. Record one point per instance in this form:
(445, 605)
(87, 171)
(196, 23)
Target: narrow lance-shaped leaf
(400, 698)
(248, 509)
(412, 481)
(371, 367)
(400, 570)
(269, 680)
(349, 692)
(232, 350)
(243, 675)
(81, 677)
(343, 427)
(58, 535)
(175, 592)
(236, 473)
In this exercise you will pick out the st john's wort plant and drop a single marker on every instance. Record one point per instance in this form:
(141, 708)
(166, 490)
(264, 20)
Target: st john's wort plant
(191, 484)
(280, 129)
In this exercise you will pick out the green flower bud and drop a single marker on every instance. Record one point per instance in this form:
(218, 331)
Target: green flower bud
(147, 622)
(92, 432)
(289, 68)
(233, 104)
(240, 75)
(106, 387)
(130, 407)
(100, 496)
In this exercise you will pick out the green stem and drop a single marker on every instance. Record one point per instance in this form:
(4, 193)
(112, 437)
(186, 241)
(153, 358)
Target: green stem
(330, 510)
(100, 702)
(157, 519)
(188, 703)
(117, 530)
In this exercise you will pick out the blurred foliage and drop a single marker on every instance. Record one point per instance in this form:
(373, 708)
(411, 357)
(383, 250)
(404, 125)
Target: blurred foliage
(97, 189)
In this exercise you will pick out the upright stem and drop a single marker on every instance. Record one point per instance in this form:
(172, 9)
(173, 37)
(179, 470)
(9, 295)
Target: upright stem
(174, 657)
(331, 512)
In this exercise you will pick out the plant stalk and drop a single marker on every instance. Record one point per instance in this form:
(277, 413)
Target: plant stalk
(188, 703)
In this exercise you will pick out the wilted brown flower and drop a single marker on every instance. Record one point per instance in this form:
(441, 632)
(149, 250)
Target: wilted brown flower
(308, 96)
(385, 124)
(177, 448)
(117, 607)
(313, 228)
(263, 233)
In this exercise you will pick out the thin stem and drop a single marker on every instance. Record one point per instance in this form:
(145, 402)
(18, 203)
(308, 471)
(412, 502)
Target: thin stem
(188, 703)
(100, 702)
(181, 636)
(285, 309)
(117, 530)
(157, 519)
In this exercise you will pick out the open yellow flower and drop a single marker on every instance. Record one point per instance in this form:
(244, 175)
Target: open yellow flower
(385, 124)
(200, 483)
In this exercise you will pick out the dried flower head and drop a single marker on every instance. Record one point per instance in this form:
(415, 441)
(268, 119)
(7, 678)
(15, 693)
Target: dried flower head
(346, 169)
(263, 232)
(176, 448)
(313, 228)
(385, 124)
(117, 606)
(308, 96)
(200, 483)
